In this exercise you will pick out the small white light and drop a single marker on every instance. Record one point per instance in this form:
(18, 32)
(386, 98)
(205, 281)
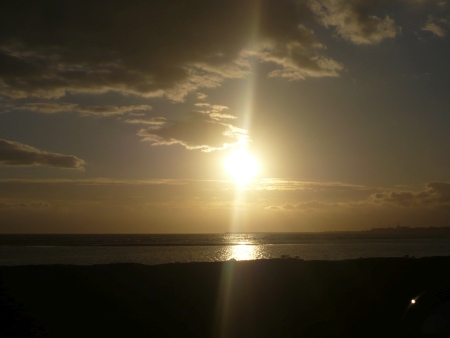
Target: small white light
(413, 301)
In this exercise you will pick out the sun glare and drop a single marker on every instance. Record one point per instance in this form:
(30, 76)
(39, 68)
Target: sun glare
(241, 166)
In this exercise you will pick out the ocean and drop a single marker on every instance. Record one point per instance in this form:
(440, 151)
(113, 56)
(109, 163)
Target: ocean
(181, 248)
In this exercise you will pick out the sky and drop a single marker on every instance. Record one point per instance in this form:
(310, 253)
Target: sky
(119, 116)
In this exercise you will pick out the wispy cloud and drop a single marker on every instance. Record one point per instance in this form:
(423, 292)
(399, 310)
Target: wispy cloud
(356, 20)
(56, 107)
(8, 203)
(215, 111)
(19, 154)
(199, 131)
(434, 195)
(434, 25)
(154, 122)
(201, 96)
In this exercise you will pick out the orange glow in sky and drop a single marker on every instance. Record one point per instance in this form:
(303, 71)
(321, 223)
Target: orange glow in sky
(255, 116)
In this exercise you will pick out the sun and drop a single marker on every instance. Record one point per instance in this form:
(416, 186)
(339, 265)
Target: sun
(241, 166)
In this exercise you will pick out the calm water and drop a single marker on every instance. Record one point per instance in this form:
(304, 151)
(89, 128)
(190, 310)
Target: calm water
(160, 249)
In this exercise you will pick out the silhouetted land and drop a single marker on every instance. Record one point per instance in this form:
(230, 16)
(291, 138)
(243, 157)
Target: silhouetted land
(266, 298)
(407, 230)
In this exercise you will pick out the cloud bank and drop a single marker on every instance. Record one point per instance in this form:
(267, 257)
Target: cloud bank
(436, 194)
(19, 154)
(151, 48)
(125, 206)
(172, 48)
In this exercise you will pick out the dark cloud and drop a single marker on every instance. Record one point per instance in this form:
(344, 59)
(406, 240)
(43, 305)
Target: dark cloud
(355, 20)
(151, 48)
(19, 154)
(297, 56)
(436, 194)
(398, 198)
(198, 131)
(172, 48)
(440, 191)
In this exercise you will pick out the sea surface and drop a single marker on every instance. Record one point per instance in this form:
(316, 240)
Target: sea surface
(160, 249)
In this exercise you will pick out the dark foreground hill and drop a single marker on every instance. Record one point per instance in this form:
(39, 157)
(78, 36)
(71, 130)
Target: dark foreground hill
(266, 298)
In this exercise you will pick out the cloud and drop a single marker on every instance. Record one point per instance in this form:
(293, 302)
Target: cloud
(433, 27)
(19, 154)
(309, 206)
(288, 206)
(201, 96)
(221, 116)
(313, 205)
(276, 184)
(435, 194)
(212, 107)
(152, 48)
(198, 131)
(440, 191)
(155, 122)
(297, 54)
(105, 205)
(333, 196)
(402, 198)
(23, 204)
(173, 48)
(425, 2)
(111, 110)
(215, 111)
(52, 108)
(48, 108)
(354, 20)
(288, 195)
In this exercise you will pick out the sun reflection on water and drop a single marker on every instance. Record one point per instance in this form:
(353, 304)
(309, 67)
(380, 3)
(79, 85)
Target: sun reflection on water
(243, 252)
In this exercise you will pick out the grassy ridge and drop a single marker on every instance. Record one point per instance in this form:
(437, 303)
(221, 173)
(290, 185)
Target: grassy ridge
(266, 298)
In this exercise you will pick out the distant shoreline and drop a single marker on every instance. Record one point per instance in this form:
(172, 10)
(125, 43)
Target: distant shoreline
(387, 228)
(192, 240)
